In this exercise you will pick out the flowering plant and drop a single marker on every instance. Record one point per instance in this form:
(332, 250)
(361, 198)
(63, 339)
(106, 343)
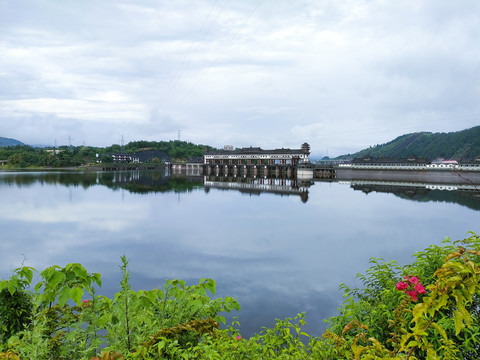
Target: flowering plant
(411, 286)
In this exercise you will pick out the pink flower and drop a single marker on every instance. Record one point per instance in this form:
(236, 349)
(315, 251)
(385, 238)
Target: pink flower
(238, 337)
(414, 280)
(85, 301)
(413, 294)
(411, 286)
(420, 289)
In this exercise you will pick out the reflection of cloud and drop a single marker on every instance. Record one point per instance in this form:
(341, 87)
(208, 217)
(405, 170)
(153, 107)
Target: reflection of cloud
(97, 215)
(276, 255)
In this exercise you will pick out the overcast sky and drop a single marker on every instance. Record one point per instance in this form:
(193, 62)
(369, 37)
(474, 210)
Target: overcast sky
(340, 75)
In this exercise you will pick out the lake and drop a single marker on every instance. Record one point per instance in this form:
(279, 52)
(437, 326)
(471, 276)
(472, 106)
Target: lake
(278, 246)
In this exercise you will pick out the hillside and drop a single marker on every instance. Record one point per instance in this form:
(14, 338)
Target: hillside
(458, 145)
(9, 142)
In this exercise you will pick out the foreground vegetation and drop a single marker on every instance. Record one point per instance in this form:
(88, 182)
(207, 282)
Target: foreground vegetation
(425, 310)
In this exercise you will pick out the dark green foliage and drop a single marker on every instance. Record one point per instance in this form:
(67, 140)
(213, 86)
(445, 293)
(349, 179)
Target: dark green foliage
(177, 150)
(15, 312)
(458, 145)
(24, 156)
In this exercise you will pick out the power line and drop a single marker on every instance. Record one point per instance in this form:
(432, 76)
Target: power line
(214, 62)
(184, 64)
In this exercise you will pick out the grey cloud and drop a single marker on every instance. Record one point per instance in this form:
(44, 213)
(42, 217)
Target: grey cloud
(261, 73)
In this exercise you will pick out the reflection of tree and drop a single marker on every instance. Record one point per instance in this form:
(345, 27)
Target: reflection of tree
(167, 184)
(29, 178)
(470, 199)
(141, 182)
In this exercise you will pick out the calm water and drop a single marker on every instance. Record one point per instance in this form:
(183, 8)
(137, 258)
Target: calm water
(279, 247)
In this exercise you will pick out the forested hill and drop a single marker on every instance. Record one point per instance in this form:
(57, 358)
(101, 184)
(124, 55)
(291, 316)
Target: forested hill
(458, 145)
(9, 142)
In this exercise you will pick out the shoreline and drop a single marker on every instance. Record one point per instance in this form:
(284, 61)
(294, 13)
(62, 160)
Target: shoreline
(430, 176)
(83, 168)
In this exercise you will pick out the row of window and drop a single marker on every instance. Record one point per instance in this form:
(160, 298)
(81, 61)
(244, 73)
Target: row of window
(251, 162)
(252, 156)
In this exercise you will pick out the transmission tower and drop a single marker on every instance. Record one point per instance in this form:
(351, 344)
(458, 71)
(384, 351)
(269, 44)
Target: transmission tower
(70, 141)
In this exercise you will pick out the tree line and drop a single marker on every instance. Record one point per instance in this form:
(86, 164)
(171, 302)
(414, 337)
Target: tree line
(23, 156)
(460, 145)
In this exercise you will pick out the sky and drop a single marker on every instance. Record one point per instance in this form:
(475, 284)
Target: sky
(340, 75)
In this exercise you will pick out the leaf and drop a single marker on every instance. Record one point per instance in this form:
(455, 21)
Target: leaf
(80, 271)
(3, 285)
(70, 275)
(145, 301)
(211, 285)
(12, 287)
(47, 273)
(458, 318)
(96, 277)
(465, 314)
(441, 302)
(439, 329)
(27, 273)
(56, 278)
(412, 343)
(38, 286)
(63, 295)
(418, 311)
(76, 294)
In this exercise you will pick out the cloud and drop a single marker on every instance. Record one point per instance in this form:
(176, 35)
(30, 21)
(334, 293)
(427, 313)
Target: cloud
(258, 72)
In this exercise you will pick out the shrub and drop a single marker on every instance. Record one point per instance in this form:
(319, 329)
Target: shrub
(425, 310)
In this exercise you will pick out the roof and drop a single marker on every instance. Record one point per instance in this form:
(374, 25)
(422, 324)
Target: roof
(253, 150)
(390, 160)
(195, 160)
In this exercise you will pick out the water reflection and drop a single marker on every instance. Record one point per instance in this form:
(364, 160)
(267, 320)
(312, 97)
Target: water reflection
(463, 194)
(275, 254)
(256, 186)
(144, 182)
(136, 181)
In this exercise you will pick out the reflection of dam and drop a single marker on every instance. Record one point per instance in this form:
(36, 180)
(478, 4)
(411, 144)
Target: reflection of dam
(452, 177)
(250, 185)
(397, 185)
(463, 194)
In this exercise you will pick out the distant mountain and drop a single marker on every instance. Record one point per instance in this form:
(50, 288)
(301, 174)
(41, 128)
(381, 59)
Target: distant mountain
(9, 142)
(458, 145)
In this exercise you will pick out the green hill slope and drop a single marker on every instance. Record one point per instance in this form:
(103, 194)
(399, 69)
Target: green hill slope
(9, 142)
(458, 145)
